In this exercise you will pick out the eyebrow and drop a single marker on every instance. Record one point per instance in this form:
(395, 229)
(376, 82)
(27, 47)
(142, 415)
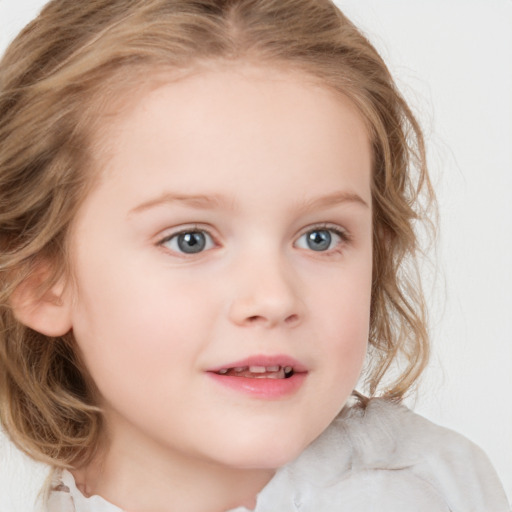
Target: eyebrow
(334, 199)
(208, 202)
(200, 201)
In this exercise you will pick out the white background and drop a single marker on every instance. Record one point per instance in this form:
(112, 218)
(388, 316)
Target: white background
(453, 61)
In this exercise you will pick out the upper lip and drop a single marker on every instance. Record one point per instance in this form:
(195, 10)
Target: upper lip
(263, 360)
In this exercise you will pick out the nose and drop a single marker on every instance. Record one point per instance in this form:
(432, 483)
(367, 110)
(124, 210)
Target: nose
(266, 293)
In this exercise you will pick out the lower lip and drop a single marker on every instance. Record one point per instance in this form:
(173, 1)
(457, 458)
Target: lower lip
(262, 388)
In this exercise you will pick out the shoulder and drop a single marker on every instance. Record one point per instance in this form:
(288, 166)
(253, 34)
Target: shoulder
(388, 435)
(21, 479)
(399, 459)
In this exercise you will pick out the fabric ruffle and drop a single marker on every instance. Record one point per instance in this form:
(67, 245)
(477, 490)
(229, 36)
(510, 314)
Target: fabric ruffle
(378, 457)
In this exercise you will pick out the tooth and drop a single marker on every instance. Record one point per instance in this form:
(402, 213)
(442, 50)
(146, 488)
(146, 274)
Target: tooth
(273, 368)
(240, 369)
(257, 369)
(223, 371)
(288, 369)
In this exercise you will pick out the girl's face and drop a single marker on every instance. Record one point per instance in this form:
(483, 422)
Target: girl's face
(223, 267)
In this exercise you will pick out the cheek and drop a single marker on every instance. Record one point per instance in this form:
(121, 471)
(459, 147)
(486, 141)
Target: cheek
(133, 322)
(343, 312)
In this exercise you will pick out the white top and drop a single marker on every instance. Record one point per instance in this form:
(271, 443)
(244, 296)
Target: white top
(383, 458)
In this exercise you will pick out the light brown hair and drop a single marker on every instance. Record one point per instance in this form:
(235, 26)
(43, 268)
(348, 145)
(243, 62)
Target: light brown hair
(77, 57)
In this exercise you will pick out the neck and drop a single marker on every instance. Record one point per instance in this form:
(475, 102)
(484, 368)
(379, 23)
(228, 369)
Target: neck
(138, 477)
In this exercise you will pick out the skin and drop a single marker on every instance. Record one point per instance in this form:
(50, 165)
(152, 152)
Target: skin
(282, 157)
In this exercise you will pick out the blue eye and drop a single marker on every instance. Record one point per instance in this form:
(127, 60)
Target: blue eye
(319, 240)
(189, 242)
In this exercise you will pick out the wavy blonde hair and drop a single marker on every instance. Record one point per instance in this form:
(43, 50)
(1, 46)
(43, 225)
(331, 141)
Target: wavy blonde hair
(55, 80)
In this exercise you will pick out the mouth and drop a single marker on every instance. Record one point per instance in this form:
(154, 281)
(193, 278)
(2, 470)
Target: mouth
(262, 377)
(258, 372)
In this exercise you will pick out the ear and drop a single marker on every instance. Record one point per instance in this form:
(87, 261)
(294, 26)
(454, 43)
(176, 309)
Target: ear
(49, 312)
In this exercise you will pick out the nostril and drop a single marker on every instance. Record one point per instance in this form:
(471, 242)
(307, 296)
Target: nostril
(292, 319)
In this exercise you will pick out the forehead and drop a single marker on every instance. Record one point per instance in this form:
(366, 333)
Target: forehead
(238, 123)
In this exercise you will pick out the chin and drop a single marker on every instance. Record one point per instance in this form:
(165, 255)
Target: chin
(262, 453)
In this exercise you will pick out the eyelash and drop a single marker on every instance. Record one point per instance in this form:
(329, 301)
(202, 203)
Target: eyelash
(185, 231)
(343, 235)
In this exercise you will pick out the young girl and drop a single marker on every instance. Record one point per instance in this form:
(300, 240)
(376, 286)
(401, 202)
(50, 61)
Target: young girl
(208, 229)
